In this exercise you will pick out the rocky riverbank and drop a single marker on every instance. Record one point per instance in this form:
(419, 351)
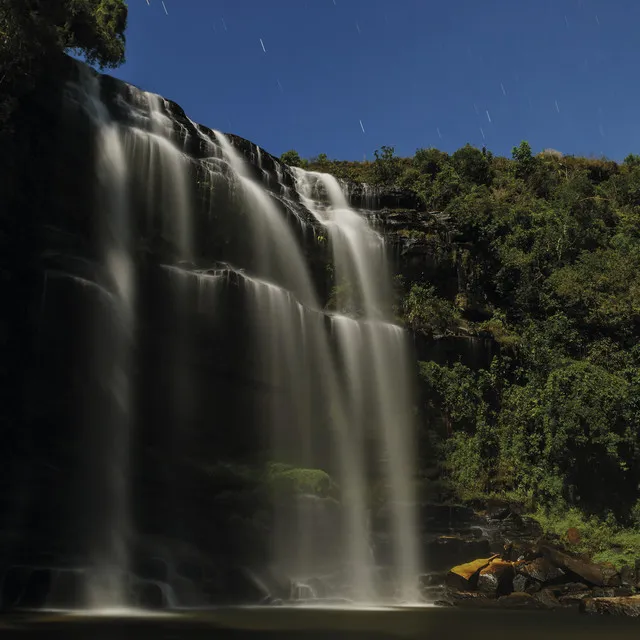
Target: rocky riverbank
(543, 577)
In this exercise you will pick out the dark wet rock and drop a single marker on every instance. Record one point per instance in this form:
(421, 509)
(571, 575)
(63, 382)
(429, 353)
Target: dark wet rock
(624, 606)
(547, 598)
(37, 589)
(574, 599)
(14, 583)
(190, 570)
(496, 578)
(521, 530)
(188, 593)
(151, 595)
(498, 509)
(67, 589)
(445, 551)
(320, 587)
(603, 592)
(599, 575)
(443, 519)
(569, 588)
(540, 569)
(387, 200)
(443, 603)
(517, 551)
(518, 600)
(152, 569)
(525, 584)
(623, 592)
(627, 576)
(470, 599)
(432, 579)
(473, 351)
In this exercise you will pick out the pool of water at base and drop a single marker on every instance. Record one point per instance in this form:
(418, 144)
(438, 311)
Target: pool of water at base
(316, 623)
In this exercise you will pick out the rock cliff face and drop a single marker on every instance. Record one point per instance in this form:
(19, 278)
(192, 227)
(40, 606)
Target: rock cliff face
(197, 509)
(192, 438)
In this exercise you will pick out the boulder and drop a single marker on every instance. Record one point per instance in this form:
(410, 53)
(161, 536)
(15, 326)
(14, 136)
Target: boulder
(540, 569)
(569, 588)
(547, 599)
(599, 575)
(465, 576)
(525, 584)
(517, 600)
(498, 509)
(574, 599)
(14, 583)
(467, 599)
(624, 606)
(518, 551)
(37, 589)
(151, 595)
(496, 577)
(611, 575)
(627, 576)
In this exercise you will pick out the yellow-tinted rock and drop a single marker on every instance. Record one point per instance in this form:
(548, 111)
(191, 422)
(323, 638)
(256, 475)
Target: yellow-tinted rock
(465, 576)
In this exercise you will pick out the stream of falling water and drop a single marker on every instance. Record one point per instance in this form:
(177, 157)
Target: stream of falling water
(298, 358)
(346, 373)
(109, 484)
(373, 344)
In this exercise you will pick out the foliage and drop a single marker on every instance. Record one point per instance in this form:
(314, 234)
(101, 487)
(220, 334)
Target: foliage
(34, 34)
(603, 539)
(471, 165)
(289, 480)
(541, 255)
(293, 159)
(546, 252)
(424, 311)
(386, 168)
(95, 28)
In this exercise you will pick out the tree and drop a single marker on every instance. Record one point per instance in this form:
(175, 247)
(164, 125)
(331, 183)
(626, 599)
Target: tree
(425, 312)
(35, 33)
(39, 28)
(291, 158)
(386, 167)
(430, 161)
(471, 164)
(525, 162)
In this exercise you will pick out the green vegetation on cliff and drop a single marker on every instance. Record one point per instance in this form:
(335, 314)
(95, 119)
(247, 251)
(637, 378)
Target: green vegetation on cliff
(34, 33)
(540, 254)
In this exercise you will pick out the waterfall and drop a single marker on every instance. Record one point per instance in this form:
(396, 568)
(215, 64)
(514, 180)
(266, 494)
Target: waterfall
(137, 162)
(162, 170)
(292, 339)
(373, 345)
(108, 425)
(329, 391)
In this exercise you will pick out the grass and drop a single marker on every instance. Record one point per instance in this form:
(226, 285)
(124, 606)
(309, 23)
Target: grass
(602, 540)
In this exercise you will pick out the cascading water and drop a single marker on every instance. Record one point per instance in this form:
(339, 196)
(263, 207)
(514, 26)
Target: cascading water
(162, 168)
(126, 156)
(108, 491)
(292, 339)
(361, 270)
(329, 392)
